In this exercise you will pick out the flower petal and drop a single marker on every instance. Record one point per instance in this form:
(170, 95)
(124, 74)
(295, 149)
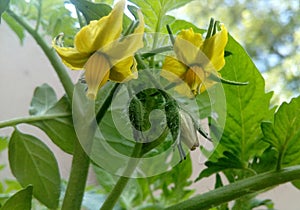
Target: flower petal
(125, 48)
(193, 78)
(174, 66)
(102, 32)
(187, 44)
(214, 47)
(96, 73)
(124, 70)
(72, 57)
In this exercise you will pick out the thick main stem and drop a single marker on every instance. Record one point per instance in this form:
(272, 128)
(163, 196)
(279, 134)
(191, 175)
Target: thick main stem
(238, 189)
(77, 180)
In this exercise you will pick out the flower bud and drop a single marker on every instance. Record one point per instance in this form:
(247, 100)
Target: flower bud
(188, 132)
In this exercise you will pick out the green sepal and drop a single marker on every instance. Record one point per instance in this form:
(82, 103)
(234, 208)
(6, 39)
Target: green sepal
(225, 81)
(170, 34)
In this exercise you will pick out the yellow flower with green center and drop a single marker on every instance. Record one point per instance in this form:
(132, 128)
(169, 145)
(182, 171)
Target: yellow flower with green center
(100, 50)
(196, 59)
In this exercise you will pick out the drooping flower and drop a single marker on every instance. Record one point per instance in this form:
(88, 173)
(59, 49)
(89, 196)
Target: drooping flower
(196, 59)
(102, 52)
(188, 132)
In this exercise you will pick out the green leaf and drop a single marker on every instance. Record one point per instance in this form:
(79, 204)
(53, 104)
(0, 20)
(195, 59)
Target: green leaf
(174, 184)
(20, 200)
(3, 146)
(55, 17)
(247, 106)
(266, 161)
(12, 185)
(3, 6)
(59, 21)
(105, 179)
(92, 11)
(60, 130)
(138, 193)
(131, 197)
(229, 161)
(112, 135)
(110, 2)
(155, 12)
(250, 202)
(242, 129)
(284, 134)
(3, 143)
(16, 27)
(179, 25)
(32, 163)
(43, 99)
(296, 183)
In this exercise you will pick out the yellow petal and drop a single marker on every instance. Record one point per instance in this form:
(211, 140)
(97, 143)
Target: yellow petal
(125, 48)
(96, 73)
(124, 70)
(102, 32)
(187, 44)
(174, 66)
(214, 47)
(193, 79)
(141, 27)
(71, 57)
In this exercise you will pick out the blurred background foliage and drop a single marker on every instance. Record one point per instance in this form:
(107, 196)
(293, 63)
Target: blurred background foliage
(269, 30)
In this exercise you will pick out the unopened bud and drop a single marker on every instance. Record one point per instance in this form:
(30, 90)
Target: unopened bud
(188, 132)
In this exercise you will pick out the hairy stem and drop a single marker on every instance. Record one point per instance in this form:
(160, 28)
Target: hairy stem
(80, 163)
(238, 189)
(77, 180)
(49, 52)
(30, 119)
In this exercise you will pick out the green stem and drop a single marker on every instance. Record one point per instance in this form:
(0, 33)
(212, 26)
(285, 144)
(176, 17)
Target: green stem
(157, 51)
(80, 162)
(80, 165)
(39, 17)
(106, 103)
(279, 161)
(114, 195)
(49, 52)
(157, 29)
(30, 119)
(238, 189)
(155, 39)
(77, 180)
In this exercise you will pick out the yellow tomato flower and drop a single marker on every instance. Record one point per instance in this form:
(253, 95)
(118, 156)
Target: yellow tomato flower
(99, 50)
(196, 58)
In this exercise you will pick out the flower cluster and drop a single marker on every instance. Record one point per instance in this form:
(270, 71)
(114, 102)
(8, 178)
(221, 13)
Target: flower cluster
(105, 54)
